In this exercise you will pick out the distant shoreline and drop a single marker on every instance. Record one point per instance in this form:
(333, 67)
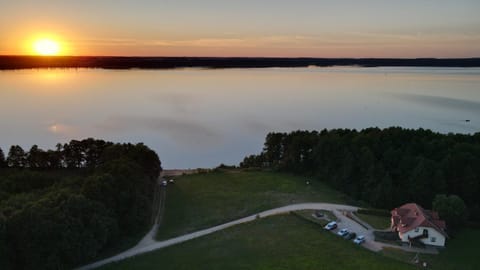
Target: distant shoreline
(116, 62)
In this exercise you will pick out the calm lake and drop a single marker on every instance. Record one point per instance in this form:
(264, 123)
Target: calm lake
(204, 117)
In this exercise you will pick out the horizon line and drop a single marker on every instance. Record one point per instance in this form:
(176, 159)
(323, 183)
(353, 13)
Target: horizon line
(171, 62)
(233, 57)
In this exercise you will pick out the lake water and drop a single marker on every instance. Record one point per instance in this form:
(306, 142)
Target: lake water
(204, 117)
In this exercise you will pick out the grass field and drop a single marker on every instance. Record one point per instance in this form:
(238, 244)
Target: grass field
(377, 222)
(279, 242)
(461, 253)
(200, 201)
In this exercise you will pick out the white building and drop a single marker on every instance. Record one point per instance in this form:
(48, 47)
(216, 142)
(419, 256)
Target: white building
(413, 223)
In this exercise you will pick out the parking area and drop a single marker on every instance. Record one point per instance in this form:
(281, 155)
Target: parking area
(343, 222)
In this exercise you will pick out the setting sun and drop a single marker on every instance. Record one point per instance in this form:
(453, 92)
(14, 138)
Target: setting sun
(46, 47)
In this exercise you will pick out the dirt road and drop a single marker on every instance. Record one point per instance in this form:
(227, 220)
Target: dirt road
(148, 243)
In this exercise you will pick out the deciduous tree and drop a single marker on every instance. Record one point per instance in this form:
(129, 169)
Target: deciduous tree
(452, 209)
(16, 157)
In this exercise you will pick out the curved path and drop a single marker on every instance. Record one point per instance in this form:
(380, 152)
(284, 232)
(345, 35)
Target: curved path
(149, 244)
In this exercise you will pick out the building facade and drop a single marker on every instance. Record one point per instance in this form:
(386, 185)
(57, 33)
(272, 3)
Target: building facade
(413, 223)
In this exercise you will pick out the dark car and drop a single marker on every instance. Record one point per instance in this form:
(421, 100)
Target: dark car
(319, 214)
(350, 236)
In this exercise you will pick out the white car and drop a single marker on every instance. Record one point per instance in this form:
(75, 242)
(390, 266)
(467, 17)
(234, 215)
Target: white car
(331, 225)
(342, 232)
(163, 183)
(359, 240)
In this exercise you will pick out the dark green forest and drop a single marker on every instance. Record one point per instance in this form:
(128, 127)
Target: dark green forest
(382, 167)
(61, 208)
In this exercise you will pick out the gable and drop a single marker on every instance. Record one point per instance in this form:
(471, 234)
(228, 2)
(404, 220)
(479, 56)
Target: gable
(410, 216)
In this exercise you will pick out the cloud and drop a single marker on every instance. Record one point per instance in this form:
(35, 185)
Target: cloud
(178, 102)
(184, 132)
(444, 102)
(326, 44)
(297, 41)
(256, 126)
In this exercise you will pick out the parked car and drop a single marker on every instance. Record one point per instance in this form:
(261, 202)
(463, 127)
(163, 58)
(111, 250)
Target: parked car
(331, 225)
(342, 232)
(350, 236)
(171, 181)
(319, 214)
(163, 183)
(359, 240)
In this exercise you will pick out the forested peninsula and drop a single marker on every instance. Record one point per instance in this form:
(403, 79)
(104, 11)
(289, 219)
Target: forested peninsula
(383, 168)
(64, 207)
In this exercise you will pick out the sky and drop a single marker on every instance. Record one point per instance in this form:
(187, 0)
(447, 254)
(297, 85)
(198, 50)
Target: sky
(273, 28)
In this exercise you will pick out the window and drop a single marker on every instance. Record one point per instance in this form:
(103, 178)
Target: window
(416, 229)
(433, 239)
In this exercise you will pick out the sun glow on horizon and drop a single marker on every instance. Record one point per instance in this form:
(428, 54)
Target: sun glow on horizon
(46, 47)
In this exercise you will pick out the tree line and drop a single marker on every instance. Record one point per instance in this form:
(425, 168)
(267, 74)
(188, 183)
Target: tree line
(76, 154)
(382, 167)
(113, 62)
(62, 208)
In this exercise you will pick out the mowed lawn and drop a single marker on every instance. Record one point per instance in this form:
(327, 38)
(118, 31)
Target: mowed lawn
(377, 222)
(461, 253)
(201, 201)
(278, 242)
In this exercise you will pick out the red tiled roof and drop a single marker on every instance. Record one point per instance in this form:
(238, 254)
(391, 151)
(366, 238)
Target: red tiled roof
(411, 215)
(440, 223)
(433, 214)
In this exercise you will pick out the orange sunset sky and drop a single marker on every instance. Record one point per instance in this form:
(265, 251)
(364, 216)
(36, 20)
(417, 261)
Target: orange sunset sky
(304, 28)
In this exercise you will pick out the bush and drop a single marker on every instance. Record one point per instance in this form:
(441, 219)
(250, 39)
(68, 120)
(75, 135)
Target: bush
(452, 209)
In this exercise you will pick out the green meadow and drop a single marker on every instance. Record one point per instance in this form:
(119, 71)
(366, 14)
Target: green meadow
(278, 242)
(204, 200)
